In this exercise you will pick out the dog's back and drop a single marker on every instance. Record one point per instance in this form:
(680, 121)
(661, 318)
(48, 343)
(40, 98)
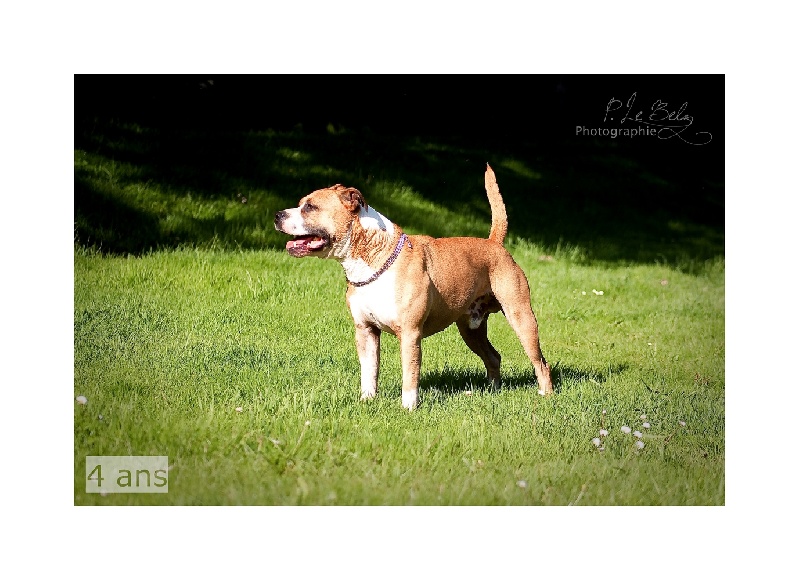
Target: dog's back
(447, 259)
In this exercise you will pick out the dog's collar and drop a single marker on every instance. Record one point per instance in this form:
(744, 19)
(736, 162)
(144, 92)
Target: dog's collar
(389, 262)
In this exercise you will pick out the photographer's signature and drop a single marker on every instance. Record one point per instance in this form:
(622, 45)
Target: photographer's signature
(669, 123)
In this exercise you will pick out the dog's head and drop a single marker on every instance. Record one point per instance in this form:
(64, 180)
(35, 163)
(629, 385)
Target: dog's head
(320, 221)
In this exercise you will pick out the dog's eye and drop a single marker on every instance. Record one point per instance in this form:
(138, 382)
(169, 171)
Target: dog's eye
(307, 207)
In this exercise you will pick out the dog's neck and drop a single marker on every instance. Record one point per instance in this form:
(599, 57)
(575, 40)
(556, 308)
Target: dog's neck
(370, 241)
(371, 219)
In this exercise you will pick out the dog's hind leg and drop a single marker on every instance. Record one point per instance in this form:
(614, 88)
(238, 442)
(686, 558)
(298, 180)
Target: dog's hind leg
(523, 321)
(478, 341)
(515, 298)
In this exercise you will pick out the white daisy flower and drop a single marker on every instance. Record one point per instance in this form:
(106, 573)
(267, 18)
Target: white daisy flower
(81, 399)
(596, 442)
(646, 425)
(625, 430)
(604, 433)
(638, 434)
(639, 444)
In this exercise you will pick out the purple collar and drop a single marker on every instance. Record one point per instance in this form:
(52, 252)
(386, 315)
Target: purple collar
(389, 262)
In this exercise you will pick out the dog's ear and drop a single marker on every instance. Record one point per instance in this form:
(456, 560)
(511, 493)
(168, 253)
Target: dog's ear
(352, 199)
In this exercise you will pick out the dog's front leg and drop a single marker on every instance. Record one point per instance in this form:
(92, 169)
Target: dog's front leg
(411, 358)
(368, 344)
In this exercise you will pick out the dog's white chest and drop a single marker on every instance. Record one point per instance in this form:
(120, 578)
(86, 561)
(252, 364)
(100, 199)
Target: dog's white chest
(376, 303)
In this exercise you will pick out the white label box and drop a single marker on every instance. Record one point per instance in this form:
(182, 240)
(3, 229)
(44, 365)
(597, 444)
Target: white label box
(127, 474)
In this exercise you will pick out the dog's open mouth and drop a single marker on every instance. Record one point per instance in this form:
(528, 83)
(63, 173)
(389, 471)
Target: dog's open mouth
(304, 245)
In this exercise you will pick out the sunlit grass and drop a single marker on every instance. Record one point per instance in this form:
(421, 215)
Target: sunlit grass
(169, 347)
(198, 338)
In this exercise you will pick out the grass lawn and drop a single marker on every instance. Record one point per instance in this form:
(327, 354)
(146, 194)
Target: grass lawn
(240, 367)
(198, 338)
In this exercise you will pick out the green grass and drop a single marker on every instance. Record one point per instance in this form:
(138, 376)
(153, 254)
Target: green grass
(168, 344)
(186, 307)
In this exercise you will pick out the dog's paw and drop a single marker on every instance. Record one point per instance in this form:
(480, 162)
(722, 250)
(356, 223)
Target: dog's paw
(410, 399)
(368, 395)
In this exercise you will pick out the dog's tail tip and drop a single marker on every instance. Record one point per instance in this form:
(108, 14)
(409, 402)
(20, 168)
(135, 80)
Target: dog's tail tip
(499, 217)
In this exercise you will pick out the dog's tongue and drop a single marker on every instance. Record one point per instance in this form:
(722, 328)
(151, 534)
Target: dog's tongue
(302, 245)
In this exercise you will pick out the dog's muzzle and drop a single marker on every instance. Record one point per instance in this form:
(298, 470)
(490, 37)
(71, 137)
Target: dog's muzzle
(303, 244)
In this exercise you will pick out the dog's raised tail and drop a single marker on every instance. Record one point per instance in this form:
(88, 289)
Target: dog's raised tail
(499, 216)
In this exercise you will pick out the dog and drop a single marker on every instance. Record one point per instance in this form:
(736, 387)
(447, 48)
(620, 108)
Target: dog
(415, 286)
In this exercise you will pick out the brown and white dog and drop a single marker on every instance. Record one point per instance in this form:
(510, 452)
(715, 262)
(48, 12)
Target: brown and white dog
(415, 286)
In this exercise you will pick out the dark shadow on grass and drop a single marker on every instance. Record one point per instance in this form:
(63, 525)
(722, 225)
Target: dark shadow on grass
(453, 381)
(104, 221)
(630, 201)
(565, 374)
